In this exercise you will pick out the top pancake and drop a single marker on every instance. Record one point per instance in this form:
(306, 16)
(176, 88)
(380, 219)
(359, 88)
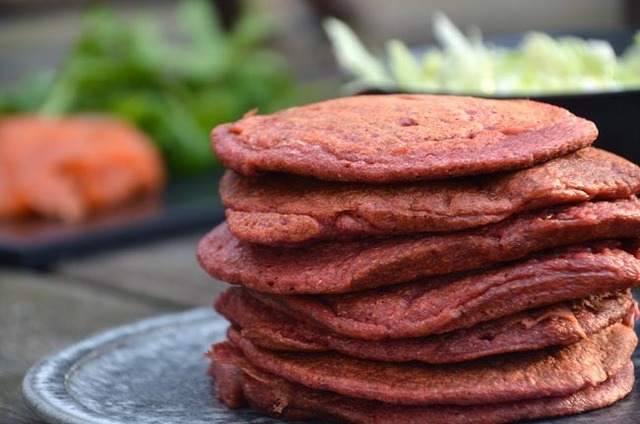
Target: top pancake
(390, 138)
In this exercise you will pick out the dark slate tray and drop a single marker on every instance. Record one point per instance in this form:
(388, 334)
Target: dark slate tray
(153, 372)
(187, 204)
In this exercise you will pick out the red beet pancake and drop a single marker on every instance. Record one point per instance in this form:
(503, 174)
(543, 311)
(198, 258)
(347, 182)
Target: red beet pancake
(450, 302)
(339, 267)
(278, 209)
(389, 138)
(507, 378)
(558, 324)
(237, 382)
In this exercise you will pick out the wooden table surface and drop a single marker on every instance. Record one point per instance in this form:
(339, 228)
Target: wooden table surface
(41, 312)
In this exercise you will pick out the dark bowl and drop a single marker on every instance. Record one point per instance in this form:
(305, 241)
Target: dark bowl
(617, 115)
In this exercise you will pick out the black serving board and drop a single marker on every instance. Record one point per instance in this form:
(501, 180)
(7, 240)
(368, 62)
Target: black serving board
(186, 204)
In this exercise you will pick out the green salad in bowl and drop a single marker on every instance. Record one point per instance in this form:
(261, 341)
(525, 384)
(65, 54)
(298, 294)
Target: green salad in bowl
(465, 63)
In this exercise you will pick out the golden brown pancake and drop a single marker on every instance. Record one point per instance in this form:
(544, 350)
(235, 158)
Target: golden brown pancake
(402, 137)
(277, 209)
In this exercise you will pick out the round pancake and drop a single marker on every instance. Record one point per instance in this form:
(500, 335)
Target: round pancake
(387, 138)
(346, 266)
(558, 324)
(277, 209)
(525, 375)
(450, 302)
(274, 396)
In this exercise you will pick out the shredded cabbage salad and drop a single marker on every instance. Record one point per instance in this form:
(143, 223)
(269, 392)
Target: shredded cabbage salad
(464, 63)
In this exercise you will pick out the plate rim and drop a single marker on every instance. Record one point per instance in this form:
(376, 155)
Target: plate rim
(55, 405)
(44, 386)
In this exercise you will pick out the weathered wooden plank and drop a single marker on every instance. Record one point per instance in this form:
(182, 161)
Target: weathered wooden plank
(165, 270)
(41, 313)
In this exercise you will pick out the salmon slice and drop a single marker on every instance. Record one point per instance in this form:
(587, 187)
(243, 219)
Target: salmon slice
(71, 167)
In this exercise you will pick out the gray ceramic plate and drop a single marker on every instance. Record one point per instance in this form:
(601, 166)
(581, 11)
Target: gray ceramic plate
(153, 372)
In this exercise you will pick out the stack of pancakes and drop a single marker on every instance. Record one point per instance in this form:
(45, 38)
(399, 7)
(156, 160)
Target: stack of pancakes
(415, 258)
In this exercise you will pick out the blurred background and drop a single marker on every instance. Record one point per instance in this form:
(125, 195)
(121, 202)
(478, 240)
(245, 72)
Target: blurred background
(36, 33)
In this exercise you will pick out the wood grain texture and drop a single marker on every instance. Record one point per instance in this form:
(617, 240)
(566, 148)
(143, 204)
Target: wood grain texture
(41, 313)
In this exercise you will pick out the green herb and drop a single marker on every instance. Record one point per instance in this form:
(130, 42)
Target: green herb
(175, 90)
(466, 64)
